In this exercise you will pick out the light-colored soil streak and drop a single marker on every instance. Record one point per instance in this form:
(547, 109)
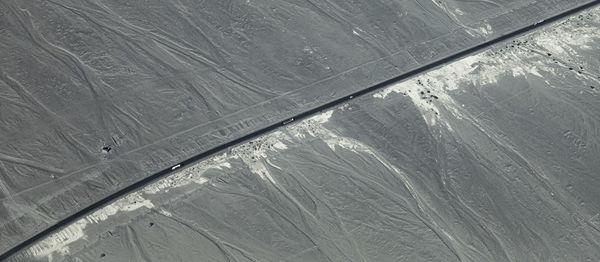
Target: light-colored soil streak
(490, 158)
(96, 95)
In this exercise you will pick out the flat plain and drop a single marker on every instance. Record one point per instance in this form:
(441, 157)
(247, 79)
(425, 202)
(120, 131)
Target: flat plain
(493, 157)
(96, 95)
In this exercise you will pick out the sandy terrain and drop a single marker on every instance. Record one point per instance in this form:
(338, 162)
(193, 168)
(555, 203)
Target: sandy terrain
(490, 158)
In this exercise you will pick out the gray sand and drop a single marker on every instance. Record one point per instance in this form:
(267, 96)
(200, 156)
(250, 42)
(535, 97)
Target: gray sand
(95, 95)
(490, 158)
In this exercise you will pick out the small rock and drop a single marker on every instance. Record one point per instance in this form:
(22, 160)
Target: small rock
(106, 149)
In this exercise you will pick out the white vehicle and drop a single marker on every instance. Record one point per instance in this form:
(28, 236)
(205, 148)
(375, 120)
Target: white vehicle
(176, 166)
(288, 121)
